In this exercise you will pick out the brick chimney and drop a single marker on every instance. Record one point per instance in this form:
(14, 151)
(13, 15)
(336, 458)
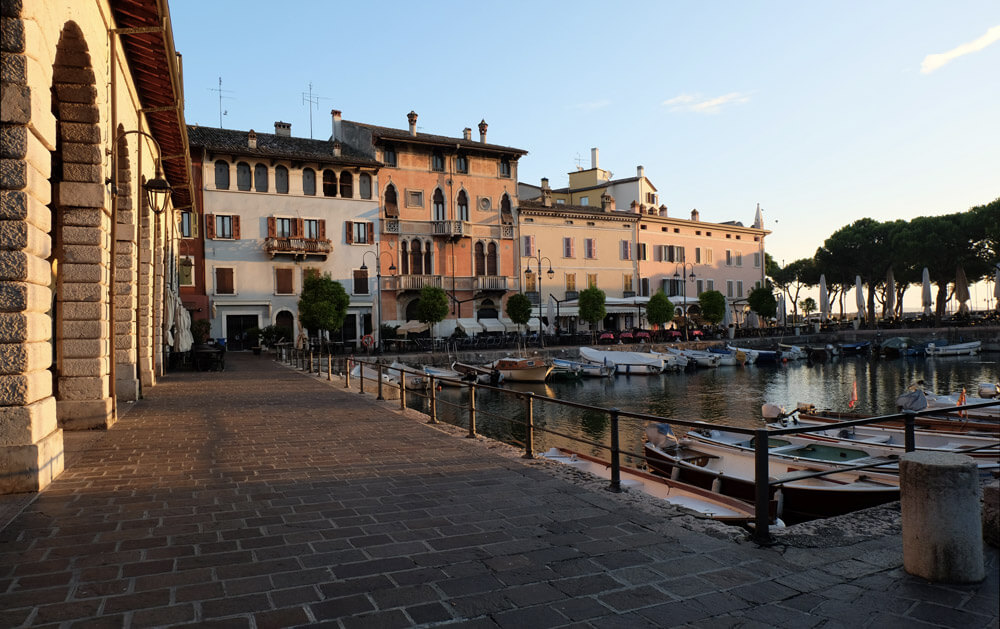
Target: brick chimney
(412, 118)
(607, 202)
(283, 128)
(695, 215)
(336, 132)
(252, 139)
(467, 133)
(663, 210)
(482, 130)
(546, 193)
(594, 161)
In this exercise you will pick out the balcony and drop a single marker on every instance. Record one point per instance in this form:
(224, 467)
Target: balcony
(491, 282)
(628, 293)
(411, 282)
(451, 229)
(298, 247)
(572, 294)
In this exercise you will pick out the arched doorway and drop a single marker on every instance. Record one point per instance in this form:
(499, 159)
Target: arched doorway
(286, 321)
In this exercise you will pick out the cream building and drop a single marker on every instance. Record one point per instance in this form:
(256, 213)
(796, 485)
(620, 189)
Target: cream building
(92, 110)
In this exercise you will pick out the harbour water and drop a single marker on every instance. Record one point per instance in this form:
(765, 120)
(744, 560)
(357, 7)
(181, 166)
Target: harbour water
(724, 395)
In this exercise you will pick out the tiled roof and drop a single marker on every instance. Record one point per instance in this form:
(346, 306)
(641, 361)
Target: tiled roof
(535, 205)
(403, 135)
(279, 146)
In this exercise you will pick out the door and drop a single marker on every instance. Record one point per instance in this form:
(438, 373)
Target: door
(236, 331)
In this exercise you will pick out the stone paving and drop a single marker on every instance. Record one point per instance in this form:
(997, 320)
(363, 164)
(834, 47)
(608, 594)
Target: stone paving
(262, 497)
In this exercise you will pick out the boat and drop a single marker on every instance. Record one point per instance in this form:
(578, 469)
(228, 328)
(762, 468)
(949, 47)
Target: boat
(585, 369)
(521, 369)
(792, 352)
(628, 363)
(477, 373)
(696, 357)
(861, 347)
(759, 355)
(986, 413)
(956, 349)
(443, 376)
(901, 346)
(738, 357)
(562, 371)
(697, 499)
(673, 362)
(938, 424)
(730, 471)
(397, 369)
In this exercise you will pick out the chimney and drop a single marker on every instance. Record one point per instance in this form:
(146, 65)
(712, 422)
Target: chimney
(482, 130)
(663, 210)
(593, 159)
(607, 202)
(337, 132)
(640, 172)
(546, 193)
(694, 215)
(467, 133)
(252, 139)
(337, 148)
(634, 207)
(283, 128)
(412, 118)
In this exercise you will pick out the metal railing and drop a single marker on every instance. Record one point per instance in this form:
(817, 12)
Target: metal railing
(762, 483)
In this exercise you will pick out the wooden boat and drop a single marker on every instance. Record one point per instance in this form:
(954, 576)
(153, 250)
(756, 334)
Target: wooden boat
(522, 369)
(628, 363)
(792, 352)
(444, 377)
(731, 472)
(588, 370)
(702, 501)
(478, 374)
(986, 413)
(953, 425)
(957, 349)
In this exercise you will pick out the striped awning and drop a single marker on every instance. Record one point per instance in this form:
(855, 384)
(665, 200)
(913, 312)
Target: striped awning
(470, 326)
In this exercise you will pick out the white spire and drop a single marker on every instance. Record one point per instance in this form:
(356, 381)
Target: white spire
(758, 219)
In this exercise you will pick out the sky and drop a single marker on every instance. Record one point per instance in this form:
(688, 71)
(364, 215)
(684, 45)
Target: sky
(823, 113)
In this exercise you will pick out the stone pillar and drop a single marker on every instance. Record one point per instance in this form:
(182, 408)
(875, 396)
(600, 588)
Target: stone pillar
(126, 355)
(942, 529)
(145, 335)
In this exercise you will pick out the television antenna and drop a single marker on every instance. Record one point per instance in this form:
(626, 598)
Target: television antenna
(222, 94)
(313, 102)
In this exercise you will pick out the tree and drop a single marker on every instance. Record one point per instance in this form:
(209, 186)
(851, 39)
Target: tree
(592, 309)
(762, 302)
(808, 306)
(323, 304)
(659, 310)
(432, 306)
(519, 309)
(713, 306)
(866, 243)
(793, 278)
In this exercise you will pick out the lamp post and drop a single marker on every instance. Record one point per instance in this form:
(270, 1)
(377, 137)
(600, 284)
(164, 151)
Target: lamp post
(679, 271)
(378, 287)
(527, 273)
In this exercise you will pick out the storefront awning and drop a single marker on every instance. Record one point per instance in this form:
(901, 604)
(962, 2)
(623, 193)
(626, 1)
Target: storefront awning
(492, 325)
(412, 327)
(470, 326)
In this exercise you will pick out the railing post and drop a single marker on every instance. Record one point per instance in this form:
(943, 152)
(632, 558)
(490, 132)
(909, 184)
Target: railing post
(472, 410)
(379, 396)
(361, 376)
(402, 389)
(762, 515)
(310, 367)
(529, 439)
(909, 439)
(616, 469)
(433, 398)
(329, 366)
(347, 373)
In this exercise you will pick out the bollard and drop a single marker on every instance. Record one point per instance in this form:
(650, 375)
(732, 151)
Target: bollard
(402, 390)
(942, 526)
(616, 470)
(909, 438)
(529, 439)
(310, 367)
(472, 411)
(762, 485)
(379, 396)
(347, 374)
(433, 397)
(361, 377)
(329, 367)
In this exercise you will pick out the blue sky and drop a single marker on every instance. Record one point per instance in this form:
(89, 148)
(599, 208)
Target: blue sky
(823, 113)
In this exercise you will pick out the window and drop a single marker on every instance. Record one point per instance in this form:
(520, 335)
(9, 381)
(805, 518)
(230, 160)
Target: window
(281, 180)
(346, 185)
(329, 183)
(627, 282)
(729, 258)
(589, 248)
(414, 198)
(437, 162)
(260, 178)
(570, 281)
(569, 248)
(644, 287)
(697, 256)
(699, 287)
(739, 288)
(756, 260)
(225, 284)
(391, 206)
(222, 175)
(584, 200)
(185, 271)
(359, 232)
(708, 257)
(463, 206)
(529, 245)
(591, 280)
(709, 284)
(389, 155)
(225, 227)
(284, 227)
(439, 212)
(729, 288)
(531, 282)
(504, 167)
(506, 216)
(309, 181)
(360, 281)
(491, 259)
(462, 164)
(641, 251)
(185, 226)
(626, 249)
(404, 258)
(739, 258)
(310, 229)
(480, 259)
(243, 176)
(365, 185)
(283, 282)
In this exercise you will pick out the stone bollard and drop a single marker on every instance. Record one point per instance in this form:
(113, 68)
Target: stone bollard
(991, 513)
(942, 529)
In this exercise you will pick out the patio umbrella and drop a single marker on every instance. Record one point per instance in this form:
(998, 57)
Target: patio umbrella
(753, 320)
(824, 299)
(550, 314)
(183, 339)
(961, 290)
(996, 289)
(727, 316)
(781, 310)
(859, 293)
(890, 295)
(926, 295)
(170, 304)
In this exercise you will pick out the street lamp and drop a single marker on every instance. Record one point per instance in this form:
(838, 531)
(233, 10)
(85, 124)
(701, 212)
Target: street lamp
(527, 273)
(679, 271)
(378, 287)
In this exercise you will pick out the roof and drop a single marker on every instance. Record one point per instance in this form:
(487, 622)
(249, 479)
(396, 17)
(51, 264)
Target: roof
(558, 209)
(403, 135)
(276, 146)
(608, 183)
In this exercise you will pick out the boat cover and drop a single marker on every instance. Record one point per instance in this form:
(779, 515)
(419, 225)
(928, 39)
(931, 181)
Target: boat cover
(621, 358)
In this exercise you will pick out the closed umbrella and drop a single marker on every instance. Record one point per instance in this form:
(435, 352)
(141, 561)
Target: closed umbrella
(550, 314)
(781, 310)
(824, 299)
(996, 289)
(859, 293)
(753, 320)
(926, 295)
(727, 316)
(890, 295)
(961, 290)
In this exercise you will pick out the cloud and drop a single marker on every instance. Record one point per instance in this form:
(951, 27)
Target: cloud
(703, 105)
(934, 62)
(592, 105)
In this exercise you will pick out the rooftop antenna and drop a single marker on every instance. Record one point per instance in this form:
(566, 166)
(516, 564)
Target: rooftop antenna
(313, 102)
(221, 96)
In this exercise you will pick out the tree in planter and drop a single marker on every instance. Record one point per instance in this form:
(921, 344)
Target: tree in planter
(592, 308)
(432, 306)
(713, 306)
(519, 309)
(659, 310)
(274, 334)
(323, 304)
(762, 302)
(200, 329)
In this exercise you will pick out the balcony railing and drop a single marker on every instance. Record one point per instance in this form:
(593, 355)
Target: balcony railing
(298, 246)
(491, 282)
(451, 228)
(412, 282)
(572, 294)
(628, 293)
(446, 228)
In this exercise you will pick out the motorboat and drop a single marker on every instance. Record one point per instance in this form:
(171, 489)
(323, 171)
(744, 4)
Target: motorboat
(758, 355)
(585, 369)
(792, 352)
(443, 376)
(861, 347)
(735, 356)
(901, 346)
(477, 373)
(956, 349)
(397, 370)
(521, 369)
(628, 363)
(696, 357)
(938, 424)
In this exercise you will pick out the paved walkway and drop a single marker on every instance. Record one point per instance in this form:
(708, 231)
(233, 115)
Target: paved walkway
(261, 497)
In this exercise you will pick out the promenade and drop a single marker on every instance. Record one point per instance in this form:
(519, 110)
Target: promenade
(263, 497)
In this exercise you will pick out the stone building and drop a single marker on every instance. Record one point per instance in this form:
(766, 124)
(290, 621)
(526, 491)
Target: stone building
(91, 119)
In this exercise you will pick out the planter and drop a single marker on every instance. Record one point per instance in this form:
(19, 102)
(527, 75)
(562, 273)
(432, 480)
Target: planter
(256, 351)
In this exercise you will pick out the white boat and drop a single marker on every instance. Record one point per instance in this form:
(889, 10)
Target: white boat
(699, 358)
(673, 362)
(629, 363)
(586, 369)
(738, 357)
(957, 349)
(792, 352)
(396, 371)
(701, 501)
(443, 376)
(757, 355)
(521, 369)
(479, 374)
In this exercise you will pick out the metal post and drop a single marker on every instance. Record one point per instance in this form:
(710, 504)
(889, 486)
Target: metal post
(402, 389)
(361, 376)
(529, 439)
(329, 366)
(472, 410)
(616, 470)
(310, 367)
(433, 397)
(762, 516)
(909, 439)
(347, 374)
(379, 396)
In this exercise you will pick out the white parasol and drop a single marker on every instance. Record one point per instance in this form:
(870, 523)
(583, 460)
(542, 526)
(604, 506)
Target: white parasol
(550, 314)
(996, 288)
(961, 290)
(753, 320)
(890, 295)
(170, 303)
(859, 293)
(727, 316)
(183, 339)
(824, 299)
(781, 310)
(926, 294)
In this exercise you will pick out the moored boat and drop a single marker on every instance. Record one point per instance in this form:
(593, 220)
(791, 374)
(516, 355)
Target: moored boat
(521, 369)
(477, 373)
(940, 424)
(585, 369)
(792, 352)
(956, 349)
(628, 363)
(443, 376)
(861, 347)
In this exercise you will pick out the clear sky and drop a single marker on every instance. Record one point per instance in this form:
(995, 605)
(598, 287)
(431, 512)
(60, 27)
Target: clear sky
(824, 113)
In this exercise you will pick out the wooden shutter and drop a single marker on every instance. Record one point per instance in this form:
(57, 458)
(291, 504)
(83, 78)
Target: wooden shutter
(299, 228)
(322, 229)
(272, 229)
(371, 233)
(349, 232)
(210, 226)
(283, 281)
(236, 227)
(224, 281)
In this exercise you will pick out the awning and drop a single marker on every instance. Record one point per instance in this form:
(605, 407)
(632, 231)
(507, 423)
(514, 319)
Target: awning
(471, 326)
(492, 325)
(412, 326)
(534, 324)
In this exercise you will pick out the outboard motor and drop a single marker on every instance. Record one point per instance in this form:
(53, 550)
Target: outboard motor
(772, 411)
(988, 390)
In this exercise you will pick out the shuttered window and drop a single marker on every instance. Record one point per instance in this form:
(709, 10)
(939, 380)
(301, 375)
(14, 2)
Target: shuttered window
(224, 281)
(569, 248)
(365, 185)
(260, 178)
(329, 183)
(283, 281)
(222, 175)
(529, 245)
(309, 181)
(243, 176)
(360, 281)
(281, 180)
(590, 248)
(346, 185)
(391, 205)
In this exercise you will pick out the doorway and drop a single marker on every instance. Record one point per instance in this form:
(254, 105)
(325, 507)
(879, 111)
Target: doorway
(237, 327)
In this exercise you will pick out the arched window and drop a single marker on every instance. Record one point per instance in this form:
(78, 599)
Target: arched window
(506, 216)
(428, 266)
(439, 214)
(260, 178)
(480, 259)
(365, 185)
(416, 258)
(329, 183)
(243, 180)
(391, 206)
(281, 180)
(222, 175)
(346, 185)
(308, 181)
(491, 259)
(404, 258)
(437, 162)
(463, 206)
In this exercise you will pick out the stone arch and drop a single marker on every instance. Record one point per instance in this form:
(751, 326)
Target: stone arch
(80, 228)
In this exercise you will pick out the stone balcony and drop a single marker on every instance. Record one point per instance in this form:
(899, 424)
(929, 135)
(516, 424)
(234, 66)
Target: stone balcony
(298, 247)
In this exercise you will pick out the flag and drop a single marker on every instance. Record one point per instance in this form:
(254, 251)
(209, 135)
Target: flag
(854, 396)
(961, 402)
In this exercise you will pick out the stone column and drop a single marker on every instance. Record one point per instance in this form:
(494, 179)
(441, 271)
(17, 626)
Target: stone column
(126, 383)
